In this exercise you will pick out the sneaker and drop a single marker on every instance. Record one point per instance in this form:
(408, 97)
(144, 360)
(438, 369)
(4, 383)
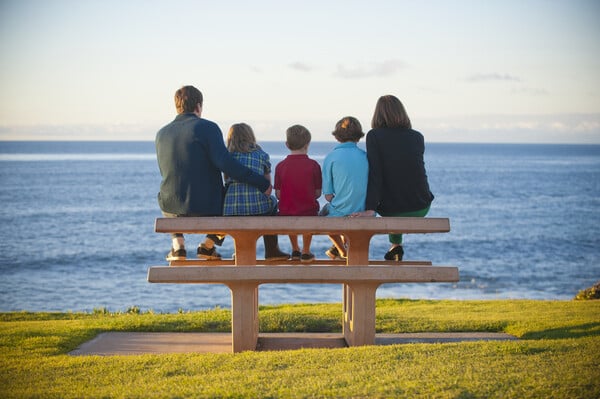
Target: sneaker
(395, 253)
(306, 258)
(296, 255)
(208, 254)
(180, 254)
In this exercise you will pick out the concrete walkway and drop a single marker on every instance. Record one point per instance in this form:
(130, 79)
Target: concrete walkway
(136, 343)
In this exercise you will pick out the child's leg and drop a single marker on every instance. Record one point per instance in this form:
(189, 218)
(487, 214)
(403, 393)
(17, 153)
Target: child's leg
(207, 250)
(306, 241)
(208, 243)
(338, 241)
(296, 254)
(213, 239)
(294, 242)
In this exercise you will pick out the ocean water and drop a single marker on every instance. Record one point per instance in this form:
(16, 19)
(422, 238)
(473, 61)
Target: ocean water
(76, 227)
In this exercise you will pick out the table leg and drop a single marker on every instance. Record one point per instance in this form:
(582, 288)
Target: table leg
(245, 248)
(358, 248)
(359, 313)
(244, 316)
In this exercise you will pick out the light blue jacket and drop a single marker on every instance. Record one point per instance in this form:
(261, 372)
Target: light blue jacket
(345, 175)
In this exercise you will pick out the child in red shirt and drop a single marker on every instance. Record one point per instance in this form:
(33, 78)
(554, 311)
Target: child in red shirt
(298, 186)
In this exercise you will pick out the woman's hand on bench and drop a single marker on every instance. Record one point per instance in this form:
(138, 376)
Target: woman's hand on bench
(369, 213)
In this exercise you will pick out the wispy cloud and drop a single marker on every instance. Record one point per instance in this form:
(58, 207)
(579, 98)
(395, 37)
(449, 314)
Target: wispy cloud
(381, 69)
(532, 91)
(491, 77)
(551, 128)
(301, 66)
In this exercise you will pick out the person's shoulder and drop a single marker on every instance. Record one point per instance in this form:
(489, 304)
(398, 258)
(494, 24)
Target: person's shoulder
(161, 132)
(359, 152)
(205, 129)
(331, 154)
(308, 161)
(167, 127)
(417, 133)
(392, 133)
(208, 124)
(262, 153)
(375, 131)
(354, 148)
(315, 165)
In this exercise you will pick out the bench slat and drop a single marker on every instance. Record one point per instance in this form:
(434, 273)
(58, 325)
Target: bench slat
(301, 224)
(302, 274)
(316, 262)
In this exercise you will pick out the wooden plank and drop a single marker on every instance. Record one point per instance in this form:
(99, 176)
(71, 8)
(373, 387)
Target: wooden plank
(300, 224)
(316, 262)
(302, 274)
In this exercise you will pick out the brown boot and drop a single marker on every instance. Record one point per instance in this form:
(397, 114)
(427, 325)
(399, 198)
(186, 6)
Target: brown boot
(272, 251)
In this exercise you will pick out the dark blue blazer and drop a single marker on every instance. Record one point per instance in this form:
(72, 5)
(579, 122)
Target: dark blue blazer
(191, 156)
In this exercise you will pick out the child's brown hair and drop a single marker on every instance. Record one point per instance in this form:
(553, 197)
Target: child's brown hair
(348, 129)
(241, 138)
(297, 136)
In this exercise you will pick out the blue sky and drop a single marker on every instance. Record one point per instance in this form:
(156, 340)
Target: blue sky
(474, 71)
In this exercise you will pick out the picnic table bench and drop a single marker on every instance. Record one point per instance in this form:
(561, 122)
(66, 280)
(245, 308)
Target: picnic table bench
(360, 276)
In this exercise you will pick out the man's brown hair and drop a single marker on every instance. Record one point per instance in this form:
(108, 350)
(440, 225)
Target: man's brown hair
(187, 98)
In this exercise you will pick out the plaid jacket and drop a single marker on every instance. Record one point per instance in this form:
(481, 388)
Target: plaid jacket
(242, 199)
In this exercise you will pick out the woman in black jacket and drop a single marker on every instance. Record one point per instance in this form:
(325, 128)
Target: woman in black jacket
(397, 179)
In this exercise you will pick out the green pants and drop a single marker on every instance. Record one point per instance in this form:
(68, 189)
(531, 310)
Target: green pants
(397, 238)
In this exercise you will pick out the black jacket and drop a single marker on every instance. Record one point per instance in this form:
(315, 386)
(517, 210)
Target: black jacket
(397, 178)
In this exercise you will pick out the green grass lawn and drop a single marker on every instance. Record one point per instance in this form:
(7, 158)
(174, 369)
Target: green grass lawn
(556, 356)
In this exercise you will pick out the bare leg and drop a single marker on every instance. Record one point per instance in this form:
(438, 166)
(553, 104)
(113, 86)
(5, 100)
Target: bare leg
(294, 242)
(338, 241)
(306, 241)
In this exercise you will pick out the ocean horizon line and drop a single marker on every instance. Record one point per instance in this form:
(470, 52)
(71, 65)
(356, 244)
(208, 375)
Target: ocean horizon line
(315, 141)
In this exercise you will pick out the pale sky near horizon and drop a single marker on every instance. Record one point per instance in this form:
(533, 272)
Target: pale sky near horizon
(467, 71)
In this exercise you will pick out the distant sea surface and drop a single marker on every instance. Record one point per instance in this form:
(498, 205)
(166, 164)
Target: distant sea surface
(77, 218)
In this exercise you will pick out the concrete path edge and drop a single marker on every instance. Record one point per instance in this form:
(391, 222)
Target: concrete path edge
(136, 343)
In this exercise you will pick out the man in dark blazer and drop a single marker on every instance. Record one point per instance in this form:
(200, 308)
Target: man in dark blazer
(191, 156)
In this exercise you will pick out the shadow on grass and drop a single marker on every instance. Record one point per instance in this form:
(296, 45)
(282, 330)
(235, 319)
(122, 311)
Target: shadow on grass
(578, 331)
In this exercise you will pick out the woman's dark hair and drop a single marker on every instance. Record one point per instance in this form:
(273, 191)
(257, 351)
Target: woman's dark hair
(389, 112)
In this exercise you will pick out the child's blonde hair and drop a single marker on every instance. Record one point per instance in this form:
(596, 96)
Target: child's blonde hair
(297, 136)
(348, 129)
(240, 138)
